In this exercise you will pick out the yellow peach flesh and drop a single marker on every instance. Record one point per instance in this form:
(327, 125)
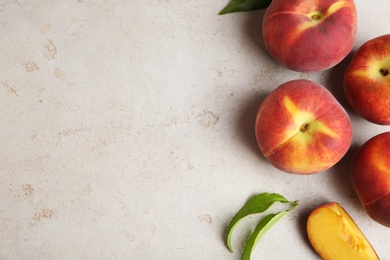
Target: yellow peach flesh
(334, 235)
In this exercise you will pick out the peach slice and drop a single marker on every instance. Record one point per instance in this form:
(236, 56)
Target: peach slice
(334, 234)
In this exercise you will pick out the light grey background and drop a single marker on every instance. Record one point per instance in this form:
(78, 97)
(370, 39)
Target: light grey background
(127, 132)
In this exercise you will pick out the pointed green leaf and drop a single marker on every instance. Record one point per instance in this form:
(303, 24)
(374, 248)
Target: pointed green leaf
(256, 204)
(264, 225)
(244, 5)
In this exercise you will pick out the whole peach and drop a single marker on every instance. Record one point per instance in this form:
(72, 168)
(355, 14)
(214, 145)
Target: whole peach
(310, 35)
(367, 80)
(301, 128)
(370, 175)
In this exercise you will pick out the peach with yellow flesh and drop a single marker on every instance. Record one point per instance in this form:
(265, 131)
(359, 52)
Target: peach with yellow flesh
(370, 175)
(301, 128)
(367, 80)
(335, 236)
(310, 35)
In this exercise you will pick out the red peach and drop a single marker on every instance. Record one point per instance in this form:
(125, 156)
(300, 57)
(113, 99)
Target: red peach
(367, 81)
(370, 175)
(301, 128)
(310, 35)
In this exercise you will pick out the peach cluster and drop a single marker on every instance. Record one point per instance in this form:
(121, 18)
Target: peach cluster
(367, 89)
(302, 129)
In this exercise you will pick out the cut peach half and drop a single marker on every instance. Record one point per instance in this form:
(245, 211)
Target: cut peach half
(334, 235)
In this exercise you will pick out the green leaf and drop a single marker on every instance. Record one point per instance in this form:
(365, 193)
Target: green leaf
(257, 204)
(244, 5)
(264, 225)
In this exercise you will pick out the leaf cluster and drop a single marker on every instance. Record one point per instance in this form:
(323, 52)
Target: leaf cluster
(257, 204)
